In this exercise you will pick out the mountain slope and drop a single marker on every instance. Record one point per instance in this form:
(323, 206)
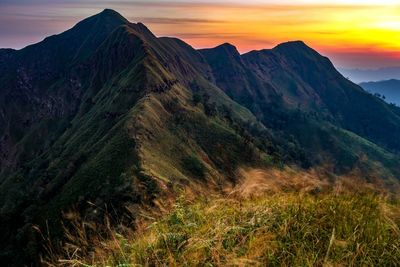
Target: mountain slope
(108, 116)
(236, 231)
(126, 131)
(389, 89)
(31, 78)
(293, 81)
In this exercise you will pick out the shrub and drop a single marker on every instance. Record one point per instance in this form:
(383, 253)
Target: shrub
(194, 166)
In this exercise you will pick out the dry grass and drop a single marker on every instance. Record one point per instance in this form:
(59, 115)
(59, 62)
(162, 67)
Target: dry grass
(259, 224)
(258, 182)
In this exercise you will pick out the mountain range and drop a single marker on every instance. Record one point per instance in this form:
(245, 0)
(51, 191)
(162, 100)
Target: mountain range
(389, 90)
(106, 114)
(371, 75)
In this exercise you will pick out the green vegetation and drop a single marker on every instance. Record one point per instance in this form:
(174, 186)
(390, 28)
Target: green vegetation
(107, 118)
(338, 227)
(194, 166)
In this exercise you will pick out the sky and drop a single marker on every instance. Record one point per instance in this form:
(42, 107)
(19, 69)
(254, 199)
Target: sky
(353, 33)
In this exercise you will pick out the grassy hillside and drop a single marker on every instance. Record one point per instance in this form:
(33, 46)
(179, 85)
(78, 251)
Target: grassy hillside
(120, 120)
(138, 132)
(298, 94)
(310, 223)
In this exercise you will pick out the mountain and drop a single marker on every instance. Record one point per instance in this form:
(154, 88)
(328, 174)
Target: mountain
(113, 125)
(371, 75)
(107, 116)
(389, 89)
(292, 81)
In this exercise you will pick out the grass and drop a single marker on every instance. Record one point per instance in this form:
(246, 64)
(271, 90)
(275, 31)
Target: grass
(194, 166)
(338, 227)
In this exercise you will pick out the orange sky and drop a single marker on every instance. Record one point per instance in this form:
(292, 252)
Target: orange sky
(353, 33)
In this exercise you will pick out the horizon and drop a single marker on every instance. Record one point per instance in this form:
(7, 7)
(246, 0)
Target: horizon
(121, 147)
(370, 44)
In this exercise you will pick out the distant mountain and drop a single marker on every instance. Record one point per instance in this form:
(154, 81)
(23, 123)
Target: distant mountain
(371, 75)
(275, 84)
(389, 90)
(107, 114)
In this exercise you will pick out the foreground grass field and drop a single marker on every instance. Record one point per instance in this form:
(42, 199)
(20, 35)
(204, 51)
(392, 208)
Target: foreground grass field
(333, 228)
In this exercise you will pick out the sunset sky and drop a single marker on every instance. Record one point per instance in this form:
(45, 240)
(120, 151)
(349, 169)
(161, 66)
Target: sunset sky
(353, 33)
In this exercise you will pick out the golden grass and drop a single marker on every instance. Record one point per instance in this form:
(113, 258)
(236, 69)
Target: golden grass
(346, 224)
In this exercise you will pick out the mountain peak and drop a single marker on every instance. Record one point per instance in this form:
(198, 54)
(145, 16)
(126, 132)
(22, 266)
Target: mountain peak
(227, 45)
(293, 44)
(225, 49)
(296, 49)
(225, 52)
(229, 48)
(111, 15)
(109, 11)
(87, 35)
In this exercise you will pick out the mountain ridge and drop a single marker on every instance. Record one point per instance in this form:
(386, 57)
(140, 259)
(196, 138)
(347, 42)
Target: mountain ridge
(122, 118)
(367, 75)
(388, 89)
(295, 78)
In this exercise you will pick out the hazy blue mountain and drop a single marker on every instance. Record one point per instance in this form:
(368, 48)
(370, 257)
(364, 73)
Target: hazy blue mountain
(108, 113)
(389, 90)
(371, 75)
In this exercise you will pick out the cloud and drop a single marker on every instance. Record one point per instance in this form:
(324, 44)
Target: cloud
(336, 26)
(161, 20)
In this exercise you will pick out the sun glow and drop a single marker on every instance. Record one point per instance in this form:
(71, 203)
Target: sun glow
(389, 25)
(363, 28)
(356, 33)
(356, 2)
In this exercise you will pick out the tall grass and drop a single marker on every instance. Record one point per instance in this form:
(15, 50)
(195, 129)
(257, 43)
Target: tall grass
(335, 228)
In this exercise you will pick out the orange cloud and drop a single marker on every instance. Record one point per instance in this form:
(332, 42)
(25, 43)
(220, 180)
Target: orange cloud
(335, 29)
(361, 31)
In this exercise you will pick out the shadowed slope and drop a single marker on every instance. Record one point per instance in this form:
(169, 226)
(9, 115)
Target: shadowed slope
(122, 125)
(106, 116)
(299, 94)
